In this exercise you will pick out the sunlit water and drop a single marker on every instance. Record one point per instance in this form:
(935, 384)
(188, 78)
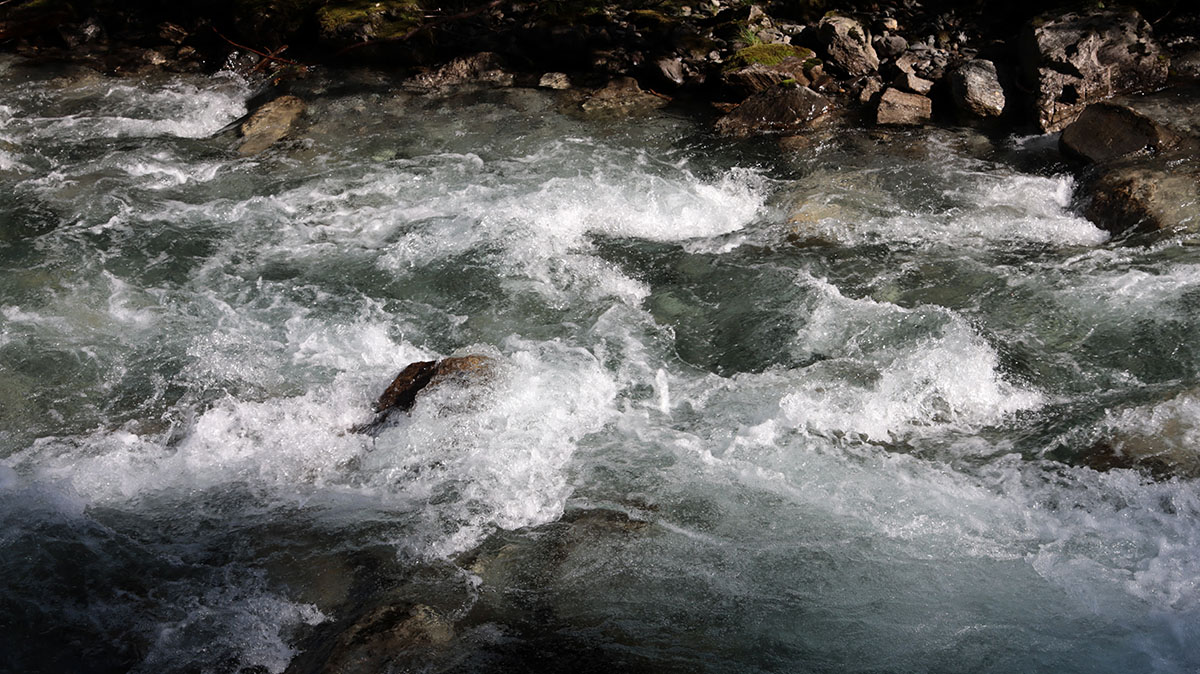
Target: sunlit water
(853, 390)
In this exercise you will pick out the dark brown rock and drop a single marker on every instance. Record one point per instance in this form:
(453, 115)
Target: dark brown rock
(270, 123)
(1081, 58)
(898, 108)
(781, 109)
(416, 377)
(1106, 131)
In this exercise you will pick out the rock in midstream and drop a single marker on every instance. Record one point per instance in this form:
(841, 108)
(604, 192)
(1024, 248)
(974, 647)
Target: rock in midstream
(270, 123)
(425, 375)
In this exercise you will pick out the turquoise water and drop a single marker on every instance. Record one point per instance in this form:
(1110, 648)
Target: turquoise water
(855, 396)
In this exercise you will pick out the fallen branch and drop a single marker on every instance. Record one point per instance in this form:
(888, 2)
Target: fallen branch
(424, 27)
(268, 57)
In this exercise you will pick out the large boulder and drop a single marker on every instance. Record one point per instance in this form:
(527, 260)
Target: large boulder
(270, 123)
(847, 45)
(782, 109)
(1143, 196)
(976, 90)
(898, 108)
(1084, 57)
(1107, 131)
(387, 637)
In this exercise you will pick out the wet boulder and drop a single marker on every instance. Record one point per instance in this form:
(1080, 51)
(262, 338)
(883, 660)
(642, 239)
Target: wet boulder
(976, 89)
(270, 123)
(387, 636)
(402, 393)
(847, 45)
(1143, 196)
(899, 108)
(1161, 438)
(1107, 131)
(777, 110)
(1084, 57)
(622, 96)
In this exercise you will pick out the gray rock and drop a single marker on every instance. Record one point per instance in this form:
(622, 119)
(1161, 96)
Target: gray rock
(1081, 58)
(270, 123)
(847, 45)
(1143, 197)
(671, 68)
(781, 109)
(1107, 131)
(976, 90)
(898, 108)
(555, 81)
(889, 46)
(913, 83)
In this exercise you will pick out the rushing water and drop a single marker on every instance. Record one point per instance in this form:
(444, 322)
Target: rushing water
(855, 392)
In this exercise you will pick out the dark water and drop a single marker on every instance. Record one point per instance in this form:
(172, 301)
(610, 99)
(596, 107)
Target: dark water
(833, 410)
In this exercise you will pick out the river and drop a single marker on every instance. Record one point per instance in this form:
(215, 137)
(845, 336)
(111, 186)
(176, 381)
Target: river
(833, 409)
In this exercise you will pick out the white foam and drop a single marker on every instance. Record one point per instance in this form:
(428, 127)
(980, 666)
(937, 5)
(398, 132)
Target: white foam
(887, 371)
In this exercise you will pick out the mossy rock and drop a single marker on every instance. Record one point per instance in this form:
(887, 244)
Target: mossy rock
(768, 55)
(368, 19)
(648, 19)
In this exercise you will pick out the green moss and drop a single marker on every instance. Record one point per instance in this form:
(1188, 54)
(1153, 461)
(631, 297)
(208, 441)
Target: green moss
(768, 55)
(387, 18)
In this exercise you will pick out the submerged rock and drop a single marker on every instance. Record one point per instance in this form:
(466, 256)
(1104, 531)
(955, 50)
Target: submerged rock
(898, 108)
(846, 43)
(1106, 131)
(1082, 58)
(1162, 438)
(385, 635)
(781, 109)
(976, 89)
(270, 123)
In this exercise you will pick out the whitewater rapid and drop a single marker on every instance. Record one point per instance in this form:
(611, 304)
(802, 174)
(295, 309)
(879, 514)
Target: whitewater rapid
(853, 392)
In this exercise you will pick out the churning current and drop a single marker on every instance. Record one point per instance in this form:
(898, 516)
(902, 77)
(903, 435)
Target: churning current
(883, 403)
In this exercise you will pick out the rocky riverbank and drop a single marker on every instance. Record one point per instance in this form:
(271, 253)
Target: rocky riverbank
(783, 69)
